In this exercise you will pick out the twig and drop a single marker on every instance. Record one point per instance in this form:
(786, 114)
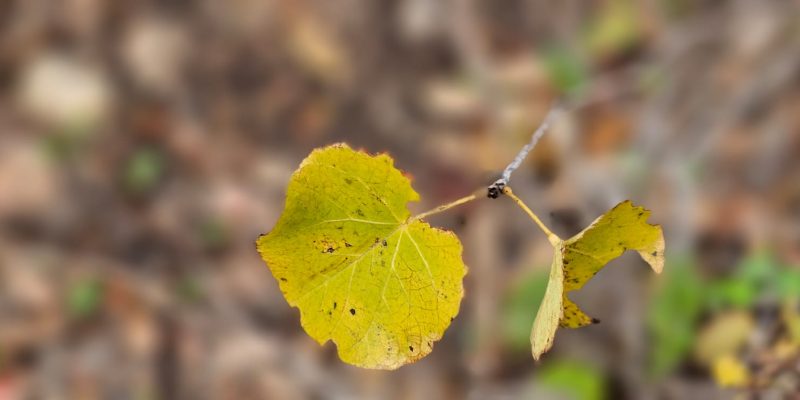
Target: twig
(552, 237)
(500, 185)
(496, 188)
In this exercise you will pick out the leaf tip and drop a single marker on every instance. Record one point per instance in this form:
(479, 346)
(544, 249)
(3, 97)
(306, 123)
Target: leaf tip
(655, 255)
(539, 352)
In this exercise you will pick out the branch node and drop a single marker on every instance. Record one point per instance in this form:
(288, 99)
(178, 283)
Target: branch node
(496, 189)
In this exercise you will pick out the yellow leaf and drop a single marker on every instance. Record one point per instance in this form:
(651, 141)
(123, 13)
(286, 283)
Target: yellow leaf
(550, 311)
(726, 333)
(578, 259)
(379, 284)
(730, 372)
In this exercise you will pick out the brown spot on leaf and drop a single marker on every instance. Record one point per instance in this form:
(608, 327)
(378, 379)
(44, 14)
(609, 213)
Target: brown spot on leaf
(352, 311)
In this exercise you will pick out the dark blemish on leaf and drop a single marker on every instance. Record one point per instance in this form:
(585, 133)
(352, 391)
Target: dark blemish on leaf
(329, 313)
(352, 311)
(262, 234)
(334, 305)
(451, 319)
(330, 250)
(340, 227)
(384, 243)
(377, 240)
(348, 181)
(283, 279)
(640, 213)
(359, 212)
(411, 348)
(654, 254)
(347, 244)
(383, 263)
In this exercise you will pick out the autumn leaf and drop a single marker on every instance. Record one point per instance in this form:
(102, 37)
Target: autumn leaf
(383, 286)
(578, 259)
(728, 371)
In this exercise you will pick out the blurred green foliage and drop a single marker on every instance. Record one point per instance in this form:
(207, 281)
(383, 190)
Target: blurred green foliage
(567, 71)
(759, 276)
(520, 308)
(84, 297)
(673, 315)
(685, 295)
(574, 379)
(143, 170)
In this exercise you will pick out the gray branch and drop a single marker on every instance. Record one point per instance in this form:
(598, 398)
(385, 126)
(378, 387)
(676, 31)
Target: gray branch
(496, 188)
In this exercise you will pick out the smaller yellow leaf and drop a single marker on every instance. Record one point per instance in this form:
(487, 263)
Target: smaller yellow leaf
(578, 259)
(550, 311)
(726, 333)
(728, 371)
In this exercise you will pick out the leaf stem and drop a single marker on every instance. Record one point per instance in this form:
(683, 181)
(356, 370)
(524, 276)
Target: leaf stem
(445, 207)
(552, 237)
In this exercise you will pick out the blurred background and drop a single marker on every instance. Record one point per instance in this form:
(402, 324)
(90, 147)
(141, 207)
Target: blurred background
(145, 144)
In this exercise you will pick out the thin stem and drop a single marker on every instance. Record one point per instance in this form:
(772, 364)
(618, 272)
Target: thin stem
(496, 188)
(445, 207)
(523, 152)
(552, 237)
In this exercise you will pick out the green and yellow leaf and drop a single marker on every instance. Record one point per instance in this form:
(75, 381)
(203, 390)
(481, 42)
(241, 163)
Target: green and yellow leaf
(381, 285)
(578, 259)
